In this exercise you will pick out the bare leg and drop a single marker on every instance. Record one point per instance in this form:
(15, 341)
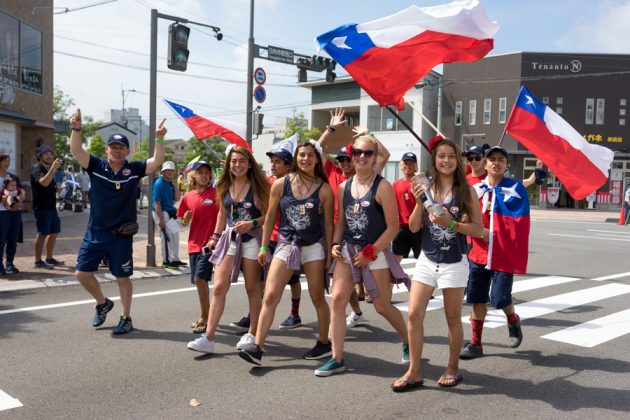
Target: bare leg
(39, 246)
(383, 303)
(126, 291)
(277, 279)
(315, 272)
(341, 291)
(91, 285)
(219, 293)
(479, 311)
(296, 290)
(453, 298)
(50, 245)
(204, 299)
(354, 301)
(253, 286)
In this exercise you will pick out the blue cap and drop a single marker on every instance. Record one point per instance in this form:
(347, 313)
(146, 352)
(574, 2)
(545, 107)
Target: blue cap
(409, 156)
(343, 153)
(118, 138)
(282, 154)
(43, 149)
(497, 149)
(474, 150)
(199, 164)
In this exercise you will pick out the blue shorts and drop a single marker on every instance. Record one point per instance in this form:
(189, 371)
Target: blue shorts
(47, 221)
(295, 278)
(487, 285)
(98, 244)
(200, 267)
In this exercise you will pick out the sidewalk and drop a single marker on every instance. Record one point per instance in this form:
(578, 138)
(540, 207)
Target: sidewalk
(73, 227)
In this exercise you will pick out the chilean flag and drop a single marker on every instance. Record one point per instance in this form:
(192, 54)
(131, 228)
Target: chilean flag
(581, 166)
(203, 128)
(508, 222)
(388, 56)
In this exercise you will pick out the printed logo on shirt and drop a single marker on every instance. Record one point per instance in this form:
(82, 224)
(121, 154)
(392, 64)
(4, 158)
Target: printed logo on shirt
(454, 210)
(406, 196)
(308, 205)
(126, 267)
(126, 172)
(365, 203)
(247, 205)
(207, 202)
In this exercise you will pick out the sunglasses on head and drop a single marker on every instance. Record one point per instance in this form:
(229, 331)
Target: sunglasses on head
(359, 152)
(471, 158)
(343, 159)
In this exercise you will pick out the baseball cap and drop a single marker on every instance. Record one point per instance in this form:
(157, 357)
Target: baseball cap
(474, 150)
(168, 165)
(199, 164)
(118, 138)
(343, 153)
(409, 156)
(43, 149)
(282, 154)
(497, 149)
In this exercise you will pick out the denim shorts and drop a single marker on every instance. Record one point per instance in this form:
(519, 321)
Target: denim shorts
(200, 267)
(489, 286)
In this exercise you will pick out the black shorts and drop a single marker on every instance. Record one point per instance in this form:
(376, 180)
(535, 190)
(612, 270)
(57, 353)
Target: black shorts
(200, 267)
(407, 241)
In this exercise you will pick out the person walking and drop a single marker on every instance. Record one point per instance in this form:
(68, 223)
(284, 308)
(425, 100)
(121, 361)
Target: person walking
(84, 183)
(112, 219)
(10, 216)
(406, 241)
(165, 195)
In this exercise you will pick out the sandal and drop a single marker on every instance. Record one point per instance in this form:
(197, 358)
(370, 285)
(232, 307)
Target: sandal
(408, 384)
(200, 327)
(449, 380)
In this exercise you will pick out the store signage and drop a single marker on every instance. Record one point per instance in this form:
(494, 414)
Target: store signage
(574, 66)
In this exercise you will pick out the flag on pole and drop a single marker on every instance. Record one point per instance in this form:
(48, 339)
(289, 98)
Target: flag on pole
(203, 128)
(190, 165)
(582, 167)
(388, 56)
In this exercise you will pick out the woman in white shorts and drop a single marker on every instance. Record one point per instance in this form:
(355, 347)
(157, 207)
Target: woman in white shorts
(442, 263)
(306, 203)
(243, 190)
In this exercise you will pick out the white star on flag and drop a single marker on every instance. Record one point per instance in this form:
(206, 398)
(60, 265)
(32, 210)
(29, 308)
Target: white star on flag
(509, 192)
(530, 101)
(340, 42)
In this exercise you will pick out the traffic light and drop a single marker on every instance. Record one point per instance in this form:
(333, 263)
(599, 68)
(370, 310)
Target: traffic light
(178, 46)
(318, 64)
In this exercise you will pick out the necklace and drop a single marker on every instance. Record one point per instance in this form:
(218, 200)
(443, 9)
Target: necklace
(305, 194)
(441, 200)
(365, 187)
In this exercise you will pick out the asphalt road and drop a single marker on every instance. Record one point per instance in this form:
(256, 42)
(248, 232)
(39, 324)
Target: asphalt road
(58, 366)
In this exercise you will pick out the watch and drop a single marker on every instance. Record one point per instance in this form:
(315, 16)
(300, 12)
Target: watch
(255, 223)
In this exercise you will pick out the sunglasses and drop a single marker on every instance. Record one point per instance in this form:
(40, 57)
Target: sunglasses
(471, 158)
(359, 152)
(343, 159)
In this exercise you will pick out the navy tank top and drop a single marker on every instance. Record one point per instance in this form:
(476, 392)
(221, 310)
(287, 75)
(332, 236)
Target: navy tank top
(365, 220)
(241, 210)
(301, 220)
(439, 244)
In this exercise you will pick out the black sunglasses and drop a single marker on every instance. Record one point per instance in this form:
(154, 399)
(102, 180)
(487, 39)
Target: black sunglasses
(359, 152)
(343, 159)
(471, 158)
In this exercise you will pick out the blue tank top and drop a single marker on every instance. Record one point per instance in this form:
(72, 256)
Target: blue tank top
(439, 244)
(365, 220)
(241, 210)
(300, 219)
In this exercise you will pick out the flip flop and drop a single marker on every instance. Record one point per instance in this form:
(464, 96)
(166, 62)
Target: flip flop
(408, 384)
(200, 327)
(453, 380)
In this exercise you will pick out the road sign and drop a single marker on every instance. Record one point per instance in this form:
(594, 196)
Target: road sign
(260, 76)
(260, 94)
(281, 55)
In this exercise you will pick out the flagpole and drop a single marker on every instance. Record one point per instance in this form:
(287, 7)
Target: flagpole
(403, 122)
(502, 135)
(428, 121)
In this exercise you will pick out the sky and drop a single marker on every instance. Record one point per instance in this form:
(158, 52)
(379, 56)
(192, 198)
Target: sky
(102, 50)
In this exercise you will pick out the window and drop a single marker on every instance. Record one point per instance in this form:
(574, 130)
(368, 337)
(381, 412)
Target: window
(559, 110)
(622, 102)
(545, 100)
(487, 109)
(382, 120)
(472, 112)
(502, 110)
(559, 100)
(9, 50)
(622, 112)
(622, 121)
(599, 111)
(31, 58)
(458, 113)
(590, 105)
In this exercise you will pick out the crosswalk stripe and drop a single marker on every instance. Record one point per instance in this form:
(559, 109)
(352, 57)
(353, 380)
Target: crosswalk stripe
(540, 307)
(598, 331)
(588, 237)
(7, 402)
(612, 276)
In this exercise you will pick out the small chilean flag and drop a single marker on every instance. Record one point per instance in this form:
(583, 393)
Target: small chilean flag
(203, 128)
(581, 166)
(388, 56)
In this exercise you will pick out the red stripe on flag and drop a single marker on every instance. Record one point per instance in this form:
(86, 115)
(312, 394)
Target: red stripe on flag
(203, 128)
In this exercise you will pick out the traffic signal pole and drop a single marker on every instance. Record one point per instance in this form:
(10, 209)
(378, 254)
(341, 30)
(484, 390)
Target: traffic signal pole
(250, 74)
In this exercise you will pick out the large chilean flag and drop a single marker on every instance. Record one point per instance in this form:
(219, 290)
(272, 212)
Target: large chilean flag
(582, 167)
(388, 56)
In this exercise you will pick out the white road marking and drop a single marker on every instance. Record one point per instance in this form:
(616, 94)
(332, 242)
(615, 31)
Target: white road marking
(598, 331)
(7, 402)
(588, 237)
(612, 276)
(614, 232)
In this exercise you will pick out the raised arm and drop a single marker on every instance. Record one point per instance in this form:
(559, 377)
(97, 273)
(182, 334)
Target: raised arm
(383, 153)
(158, 154)
(336, 120)
(76, 144)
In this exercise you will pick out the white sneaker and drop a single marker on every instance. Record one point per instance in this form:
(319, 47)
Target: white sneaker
(247, 342)
(202, 344)
(353, 320)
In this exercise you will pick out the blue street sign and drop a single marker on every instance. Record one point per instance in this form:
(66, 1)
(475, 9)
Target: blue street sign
(260, 76)
(260, 94)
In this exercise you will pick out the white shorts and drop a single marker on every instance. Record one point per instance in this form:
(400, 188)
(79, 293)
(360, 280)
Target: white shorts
(249, 249)
(314, 252)
(440, 275)
(378, 264)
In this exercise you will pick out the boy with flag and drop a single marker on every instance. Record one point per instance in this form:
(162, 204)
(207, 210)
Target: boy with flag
(500, 252)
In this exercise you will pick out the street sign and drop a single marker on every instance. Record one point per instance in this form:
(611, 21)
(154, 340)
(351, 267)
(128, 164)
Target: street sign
(280, 55)
(260, 94)
(260, 76)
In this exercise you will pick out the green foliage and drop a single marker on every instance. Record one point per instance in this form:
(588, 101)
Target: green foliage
(213, 153)
(298, 125)
(97, 146)
(61, 105)
(143, 153)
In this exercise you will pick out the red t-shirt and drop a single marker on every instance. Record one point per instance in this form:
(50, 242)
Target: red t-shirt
(472, 180)
(335, 178)
(274, 232)
(479, 251)
(205, 209)
(405, 199)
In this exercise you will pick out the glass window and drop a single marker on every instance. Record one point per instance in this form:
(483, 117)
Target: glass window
(545, 100)
(380, 119)
(9, 50)
(374, 118)
(622, 121)
(622, 112)
(502, 110)
(599, 111)
(622, 102)
(31, 58)
(590, 106)
(406, 114)
(559, 110)
(388, 121)
(559, 100)
(458, 113)
(487, 109)
(472, 112)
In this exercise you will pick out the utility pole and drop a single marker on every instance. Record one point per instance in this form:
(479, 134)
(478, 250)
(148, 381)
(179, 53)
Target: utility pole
(250, 71)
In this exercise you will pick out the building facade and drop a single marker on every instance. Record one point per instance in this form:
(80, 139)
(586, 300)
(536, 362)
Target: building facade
(590, 91)
(131, 119)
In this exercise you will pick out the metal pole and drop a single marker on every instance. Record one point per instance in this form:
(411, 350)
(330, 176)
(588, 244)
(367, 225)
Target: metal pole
(122, 93)
(403, 122)
(152, 122)
(250, 74)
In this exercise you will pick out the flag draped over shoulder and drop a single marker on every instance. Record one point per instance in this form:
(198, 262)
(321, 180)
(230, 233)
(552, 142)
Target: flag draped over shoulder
(203, 128)
(388, 56)
(582, 167)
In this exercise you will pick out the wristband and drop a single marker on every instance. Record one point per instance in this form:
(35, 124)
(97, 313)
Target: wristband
(184, 222)
(216, 235)
(452, 225)
(160, 140)
(263, 248)
(76, 129)
(335, 243)
(331, 129)
(369, 252)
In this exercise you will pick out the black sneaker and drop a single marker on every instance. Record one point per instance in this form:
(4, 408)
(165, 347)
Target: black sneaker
(55, 262)
(179, 263)
(253, 356)
(242, 325)
(43, 264)
(516, 333)
(291, 322)
(320, 351)
(124, 326)
(101, 312)
(471, 351)
(11, 269)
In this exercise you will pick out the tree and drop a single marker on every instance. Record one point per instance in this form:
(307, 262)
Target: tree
(143, 153)
(297, 124)
(97, 146)
(213, 153)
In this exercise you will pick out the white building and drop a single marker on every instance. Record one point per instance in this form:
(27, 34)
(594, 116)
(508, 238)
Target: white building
(107, 130)
(129, 118)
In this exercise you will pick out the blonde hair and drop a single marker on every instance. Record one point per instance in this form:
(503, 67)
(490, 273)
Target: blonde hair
(192, 179)
(369, 139)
